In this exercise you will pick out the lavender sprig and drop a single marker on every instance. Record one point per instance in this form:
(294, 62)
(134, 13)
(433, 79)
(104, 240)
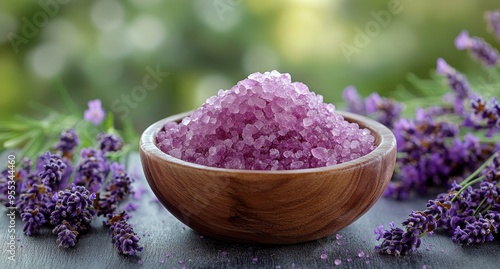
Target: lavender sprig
(124, 237)
(478, 48)
(386, 111)
(66, 235)
(49, 192)
(493, 20)
(469, 212)
(68, 141)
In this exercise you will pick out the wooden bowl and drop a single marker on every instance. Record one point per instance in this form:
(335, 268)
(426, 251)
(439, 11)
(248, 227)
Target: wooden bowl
(269, 207)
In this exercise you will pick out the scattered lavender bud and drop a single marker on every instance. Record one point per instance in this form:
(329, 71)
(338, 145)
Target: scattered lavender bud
(124, 237)
(66, 235)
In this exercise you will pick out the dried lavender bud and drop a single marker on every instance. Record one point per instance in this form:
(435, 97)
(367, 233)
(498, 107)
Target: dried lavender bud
(420, 220)
(492, 171)
(458, 83)
(36, 197)
(116, 190)
(68, 141)
(53, 169)
(396, 241)
(385, 111)
(478, 48)
(73, 205)
(110, 142)
(123, 235)
(91, 170)
(493, 19)
(469, 212)
(66, 235)
(476, 232)
(33, 220)
(4, 188)
(353, 100)
(489, 112)
(265, 122)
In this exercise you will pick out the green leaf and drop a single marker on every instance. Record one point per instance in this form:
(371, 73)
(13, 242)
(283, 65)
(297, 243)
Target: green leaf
(108, 123)
(70, 104)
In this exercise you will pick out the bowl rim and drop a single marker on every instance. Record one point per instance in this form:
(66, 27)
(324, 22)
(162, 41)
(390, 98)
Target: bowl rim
(147, 143)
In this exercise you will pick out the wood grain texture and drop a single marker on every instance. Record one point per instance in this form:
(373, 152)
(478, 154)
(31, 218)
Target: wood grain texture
(269, 207)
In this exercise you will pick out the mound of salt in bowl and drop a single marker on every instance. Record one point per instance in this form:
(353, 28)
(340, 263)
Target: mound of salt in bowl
(265, 122)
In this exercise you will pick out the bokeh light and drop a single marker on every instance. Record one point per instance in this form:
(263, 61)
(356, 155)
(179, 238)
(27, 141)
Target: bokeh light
(101, 49)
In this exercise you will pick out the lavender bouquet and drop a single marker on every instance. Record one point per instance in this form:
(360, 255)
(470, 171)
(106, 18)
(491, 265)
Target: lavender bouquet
(79, 178)
(453, 145)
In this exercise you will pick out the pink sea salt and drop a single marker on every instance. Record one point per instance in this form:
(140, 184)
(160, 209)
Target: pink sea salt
(265, 122)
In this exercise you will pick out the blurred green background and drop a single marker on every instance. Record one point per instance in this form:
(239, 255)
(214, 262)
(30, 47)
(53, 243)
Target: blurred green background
(105, 49)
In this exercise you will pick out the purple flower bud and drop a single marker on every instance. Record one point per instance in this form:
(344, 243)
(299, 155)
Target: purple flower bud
(68, 141)
(94, 113)
(53, 169)
(353, 100)
(73, 205)
(124, 237)
(110, 142)
(478, 48)
(33, 220)
(493, 19)
(66, 235)
(91, 170)
(385, 111)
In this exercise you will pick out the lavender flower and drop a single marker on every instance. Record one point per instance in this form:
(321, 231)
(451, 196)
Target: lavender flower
(476, 232)
(353, 100)
(458, 83)
(478, 48)
(124, 237)
(53, 169)
(488, 112)
(493, 19)
(66, 235)
(117, 190)
(4, 188)
(68, 141)
(396, 241)
(419, 169)
(91, 170)
(384, 110)
(110, 142)
(73, 205)
(469, 212)
(33, 220)
(36, 197)
(94, 113)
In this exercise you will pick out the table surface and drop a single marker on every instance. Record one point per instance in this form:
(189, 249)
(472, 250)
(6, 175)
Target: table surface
(170, 244)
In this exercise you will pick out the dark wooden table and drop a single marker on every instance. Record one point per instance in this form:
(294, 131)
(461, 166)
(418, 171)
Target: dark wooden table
(170, 244)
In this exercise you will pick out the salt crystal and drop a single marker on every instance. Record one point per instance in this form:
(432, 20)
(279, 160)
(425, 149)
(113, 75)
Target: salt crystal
(265, 122)
(319, 153)
(307, 122)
